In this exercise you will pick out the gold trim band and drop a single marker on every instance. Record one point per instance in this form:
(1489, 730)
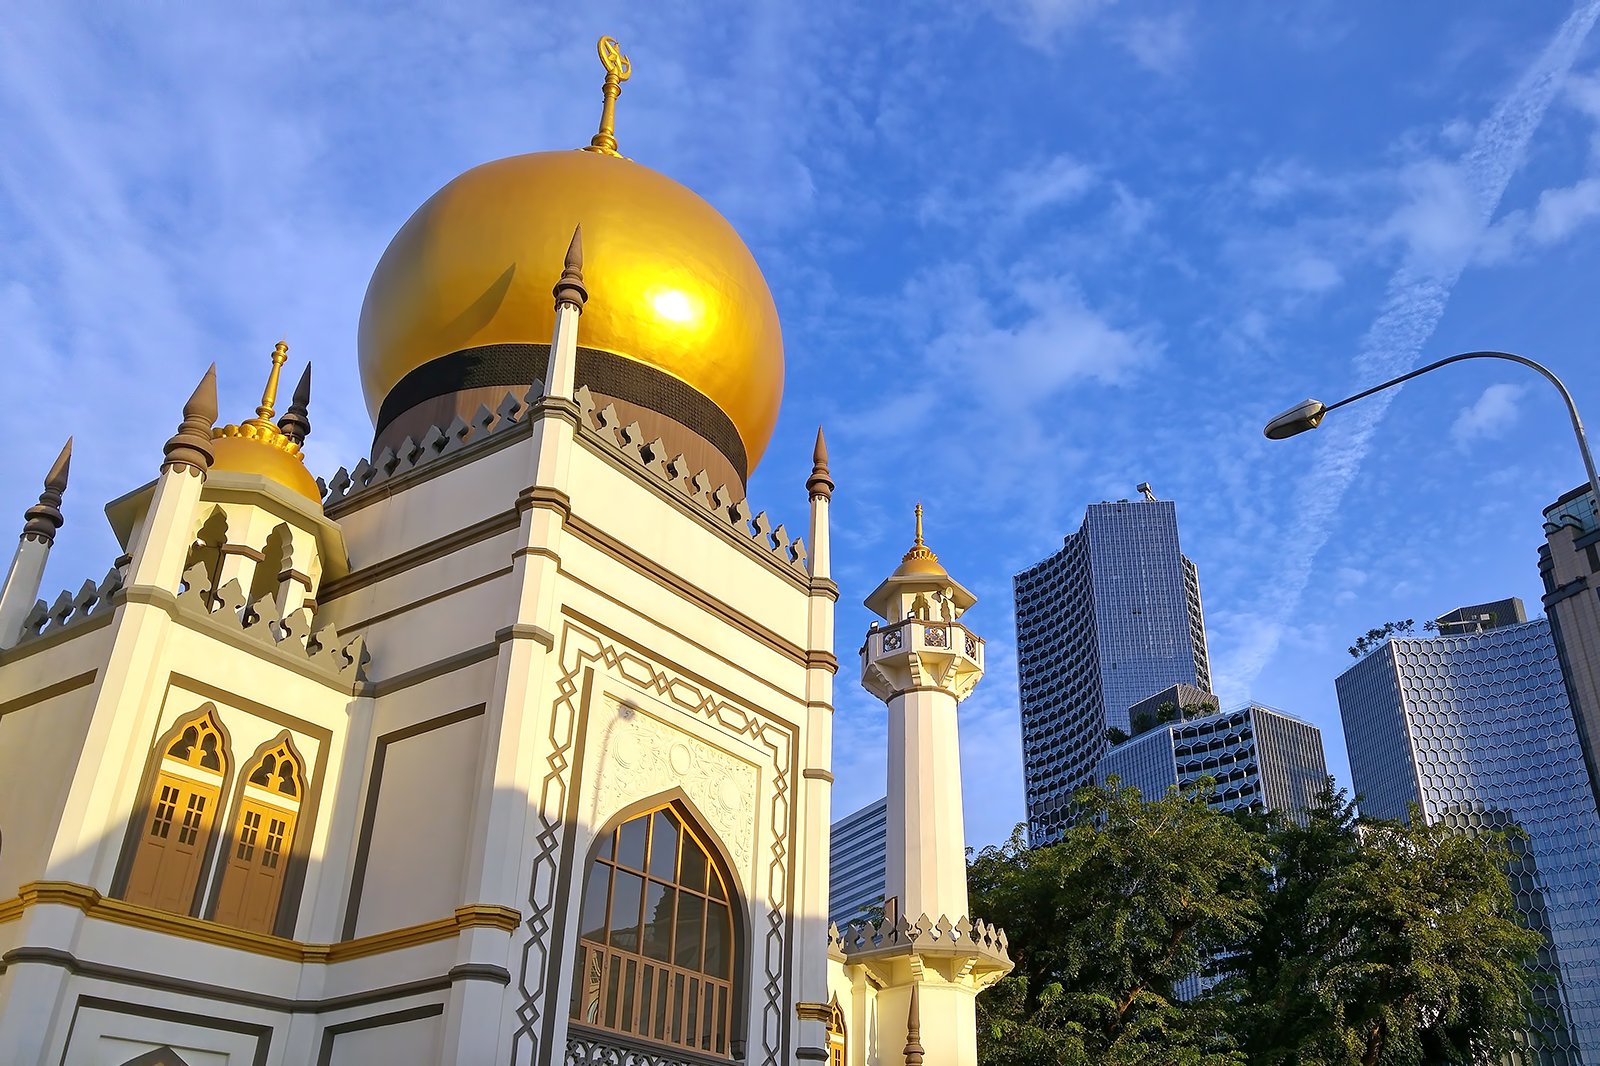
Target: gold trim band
(95, 905)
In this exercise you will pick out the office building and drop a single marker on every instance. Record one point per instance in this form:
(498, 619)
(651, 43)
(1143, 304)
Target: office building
(1256, 756)
(857, 852)
(1569, 562)
(1476, 731)
(1101, 624)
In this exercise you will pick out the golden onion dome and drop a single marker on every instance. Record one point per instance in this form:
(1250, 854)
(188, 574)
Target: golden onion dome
(256, 446)
(671, 286)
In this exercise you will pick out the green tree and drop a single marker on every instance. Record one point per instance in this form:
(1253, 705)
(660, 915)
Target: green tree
(1136, 897)
(1381, 943)
(1341, 942)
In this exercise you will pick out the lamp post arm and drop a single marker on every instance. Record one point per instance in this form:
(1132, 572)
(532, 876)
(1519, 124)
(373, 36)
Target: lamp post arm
(1572, 408)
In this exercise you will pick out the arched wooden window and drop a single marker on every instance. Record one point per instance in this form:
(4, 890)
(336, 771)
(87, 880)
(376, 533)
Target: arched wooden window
(656, 939)
(837, 1045)
(263, 833)
(182, 809)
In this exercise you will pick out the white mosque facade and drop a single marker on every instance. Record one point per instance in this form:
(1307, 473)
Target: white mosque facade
(513, 743)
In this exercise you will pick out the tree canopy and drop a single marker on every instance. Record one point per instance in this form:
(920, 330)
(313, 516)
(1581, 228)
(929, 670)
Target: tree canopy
(1325, 940)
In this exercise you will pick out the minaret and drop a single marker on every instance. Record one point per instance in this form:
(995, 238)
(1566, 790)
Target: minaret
(27, 565)
(816, 791)
(922, 661)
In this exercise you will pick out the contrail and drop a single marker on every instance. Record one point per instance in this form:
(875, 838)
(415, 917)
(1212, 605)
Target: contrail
(1413, 303)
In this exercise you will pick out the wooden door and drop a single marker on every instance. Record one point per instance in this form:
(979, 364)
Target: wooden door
(166, 867)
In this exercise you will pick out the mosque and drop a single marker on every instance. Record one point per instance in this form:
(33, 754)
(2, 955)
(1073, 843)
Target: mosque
(510, 744)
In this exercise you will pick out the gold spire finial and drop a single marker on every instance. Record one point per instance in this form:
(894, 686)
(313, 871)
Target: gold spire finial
(618, 70)
(269, 395)
(920, 556)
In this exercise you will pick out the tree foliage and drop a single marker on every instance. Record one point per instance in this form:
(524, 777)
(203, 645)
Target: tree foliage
(1341, 943)
(1373, 637)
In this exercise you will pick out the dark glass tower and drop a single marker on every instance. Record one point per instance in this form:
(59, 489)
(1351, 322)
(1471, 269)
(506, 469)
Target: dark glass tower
(1111, 618)
(1477, 731)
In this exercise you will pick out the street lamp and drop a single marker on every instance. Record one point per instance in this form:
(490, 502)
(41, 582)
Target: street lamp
(1310, 413)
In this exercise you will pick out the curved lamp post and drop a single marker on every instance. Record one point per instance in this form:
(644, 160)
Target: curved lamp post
(1310, 413)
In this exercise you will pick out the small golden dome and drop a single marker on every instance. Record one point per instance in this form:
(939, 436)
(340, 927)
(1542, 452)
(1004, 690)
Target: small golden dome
(279, 460)
(256, 446)
(671, 284)
(919, 559)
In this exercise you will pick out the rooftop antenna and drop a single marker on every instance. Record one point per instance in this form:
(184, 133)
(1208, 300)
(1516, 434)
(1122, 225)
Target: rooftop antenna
(1144, 489)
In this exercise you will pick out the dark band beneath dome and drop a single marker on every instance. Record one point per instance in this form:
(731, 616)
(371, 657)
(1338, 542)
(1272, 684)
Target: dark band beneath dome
(516, 366)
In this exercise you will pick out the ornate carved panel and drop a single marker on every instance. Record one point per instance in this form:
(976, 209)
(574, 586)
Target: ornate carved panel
(643, 756)
(543, 958)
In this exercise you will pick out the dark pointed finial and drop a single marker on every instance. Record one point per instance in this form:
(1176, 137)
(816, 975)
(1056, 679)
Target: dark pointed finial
(570, 290)
(296, 421)
(44, 517)
(820, 483)
(190, 447)
(914, 1051)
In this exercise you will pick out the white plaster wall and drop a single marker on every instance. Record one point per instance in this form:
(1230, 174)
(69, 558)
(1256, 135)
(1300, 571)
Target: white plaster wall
(39, 748)
(412, 1043)
(642, 519)
(438, 630)
(434, 507)
(110, 1037)
(418, 836)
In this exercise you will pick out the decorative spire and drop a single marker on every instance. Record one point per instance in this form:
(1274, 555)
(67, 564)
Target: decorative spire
(618, 70)
(191, 445)
(269, 395)
(820, 483)
(913, 1052)
(570, 290)
(44, 517)
(296, 421)
(919, 550)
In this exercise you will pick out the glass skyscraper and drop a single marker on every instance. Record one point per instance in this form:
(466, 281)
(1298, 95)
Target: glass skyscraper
(1111, 618)
(1478, 732)
(1257, 756)
(858, 847)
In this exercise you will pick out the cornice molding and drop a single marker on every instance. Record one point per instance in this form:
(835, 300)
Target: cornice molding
(103, 908)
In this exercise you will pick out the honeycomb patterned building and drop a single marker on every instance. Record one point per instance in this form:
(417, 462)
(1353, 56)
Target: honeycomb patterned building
(1477, 731)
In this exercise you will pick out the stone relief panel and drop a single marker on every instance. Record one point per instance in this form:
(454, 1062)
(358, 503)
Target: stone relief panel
(640, 755)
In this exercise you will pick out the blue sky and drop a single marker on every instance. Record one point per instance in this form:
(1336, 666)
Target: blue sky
(1027, 253)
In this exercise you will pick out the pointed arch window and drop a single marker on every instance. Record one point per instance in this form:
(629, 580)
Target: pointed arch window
(837, 1045)
(657, 951)
(180, 817)
(263, 834)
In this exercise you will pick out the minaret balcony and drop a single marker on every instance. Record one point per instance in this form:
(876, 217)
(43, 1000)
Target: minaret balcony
(918, 653)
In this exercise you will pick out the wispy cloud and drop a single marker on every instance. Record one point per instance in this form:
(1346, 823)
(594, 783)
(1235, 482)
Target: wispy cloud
(1161, 43)
(1465, 194)
(1041, 23)
(1489, 416)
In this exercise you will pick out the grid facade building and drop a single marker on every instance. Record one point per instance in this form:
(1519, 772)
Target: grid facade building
(1257, 756)
(858, 849)
(1110, 618)
(1477, 731)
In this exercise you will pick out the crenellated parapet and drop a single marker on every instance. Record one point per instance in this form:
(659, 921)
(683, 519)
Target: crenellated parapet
(966, 950)
(512, 418)
(301, 633)
(68, 610)
(976, 935)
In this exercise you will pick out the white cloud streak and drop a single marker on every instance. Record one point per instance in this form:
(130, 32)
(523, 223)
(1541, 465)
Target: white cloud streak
(1448, 199)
